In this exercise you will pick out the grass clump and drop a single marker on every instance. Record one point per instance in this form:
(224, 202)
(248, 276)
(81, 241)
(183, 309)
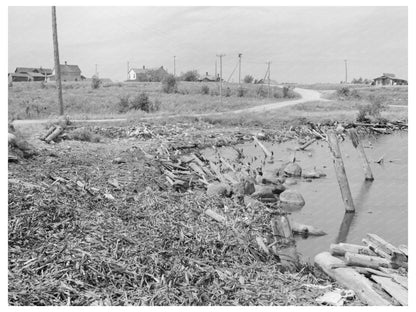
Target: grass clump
(241, 92)
(95, 83)
(372, 108)
(169, 84)
(204, 89)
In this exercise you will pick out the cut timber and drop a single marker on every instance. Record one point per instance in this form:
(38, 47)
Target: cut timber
(262, 245)
(305, 145)
(215, 216)
(403, 249)
(306, 229)
(366, 261)
(265, 150)
(395, 290)
(341, 248)
(58, 130)
(340, 171)
(350, 279)
(356, 142)
(396, 254)
(48, 133)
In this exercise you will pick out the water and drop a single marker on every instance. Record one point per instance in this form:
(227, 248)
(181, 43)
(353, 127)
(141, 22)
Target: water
(381, 206)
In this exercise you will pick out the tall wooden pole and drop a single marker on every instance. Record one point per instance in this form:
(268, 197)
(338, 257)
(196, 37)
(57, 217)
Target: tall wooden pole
(57, 65)
(239, 69)
(220, 56)
(268, 79)
(356, 142)
(340, 171)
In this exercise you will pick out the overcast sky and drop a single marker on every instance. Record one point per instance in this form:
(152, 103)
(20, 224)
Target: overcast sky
(304, 44)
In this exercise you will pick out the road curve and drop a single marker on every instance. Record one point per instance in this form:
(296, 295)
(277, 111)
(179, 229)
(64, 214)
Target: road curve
(306, 96)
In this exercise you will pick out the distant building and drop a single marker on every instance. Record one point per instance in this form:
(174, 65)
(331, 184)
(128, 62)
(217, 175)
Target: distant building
(388, 79)
(30, 74)
(147, 74)
(68, 73)
(209, 78)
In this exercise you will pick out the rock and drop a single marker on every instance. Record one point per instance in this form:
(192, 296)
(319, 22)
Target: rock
(293, 170)
(290, 181)
(251, 202)
(268, 178)
(271, 188)
(245, 186)
(311, 174)
(264, 193)
(291, 200)
(218, 189)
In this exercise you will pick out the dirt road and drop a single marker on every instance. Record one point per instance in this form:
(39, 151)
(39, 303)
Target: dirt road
(306, 96)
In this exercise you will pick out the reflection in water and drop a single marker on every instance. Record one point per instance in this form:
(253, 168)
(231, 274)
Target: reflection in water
(347, 221)
(345, 227)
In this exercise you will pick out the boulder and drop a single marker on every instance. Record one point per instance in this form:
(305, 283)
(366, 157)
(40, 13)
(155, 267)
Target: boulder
(293, 170)
(291, 200)
(290, 181)
(218, 189)
(245, 186)
(264, 193)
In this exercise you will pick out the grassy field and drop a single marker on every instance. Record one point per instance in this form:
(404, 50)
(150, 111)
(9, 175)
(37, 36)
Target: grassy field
(37, 100)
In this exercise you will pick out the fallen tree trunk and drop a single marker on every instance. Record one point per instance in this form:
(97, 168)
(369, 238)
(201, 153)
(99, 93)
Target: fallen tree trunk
(366, 261)
(342, 248)
(395, 253)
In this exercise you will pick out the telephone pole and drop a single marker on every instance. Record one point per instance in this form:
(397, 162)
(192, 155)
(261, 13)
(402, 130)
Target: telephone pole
(128, 69)
(239, 69)
(346, 71)
(57, 65)
(174, 66)
(220, 56)
(268, 78)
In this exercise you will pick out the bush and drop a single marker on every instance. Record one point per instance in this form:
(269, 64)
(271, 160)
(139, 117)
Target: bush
(277, 94)
(205, 89)
(248, 79)
(288, 93)
(227, 92)
(123, 104)
(95, 83)
(261, 92)
(140, 102)
(343, 92)
(155, 106)
(169, 84)
(43, 85)
(373, 108)
(241, 92)
(82, 134)
(190, 75)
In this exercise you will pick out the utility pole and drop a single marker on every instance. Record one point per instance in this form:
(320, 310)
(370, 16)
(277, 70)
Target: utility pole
(174, 66)
(215, 68)
(346, 71)
(220, 56)
(57, 65)
(268, 78)
(239, 69)
(128, 69)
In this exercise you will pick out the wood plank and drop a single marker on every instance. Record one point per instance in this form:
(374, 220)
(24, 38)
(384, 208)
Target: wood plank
(350, 279)
(386, 247)
(366, 261)
(395, 290)
(341, 248)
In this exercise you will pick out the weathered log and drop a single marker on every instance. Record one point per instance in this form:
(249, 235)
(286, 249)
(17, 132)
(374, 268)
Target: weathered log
(350, 279)
(366, 261)
(48, 133)
(340, 171)
(58, 130)
(341, 248)
(396, 254)
(300, 228)
(395, 290)
(302, 147)
(215, 216)
(265, 150)
(356, 142)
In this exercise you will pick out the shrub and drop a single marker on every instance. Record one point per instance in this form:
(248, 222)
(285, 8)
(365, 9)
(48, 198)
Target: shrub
(227, 92)
(43, 85)
(123, 104)
(95, 83)
(343, 92)
(277, 94)
(355, 94)
(288, 93)
(241, 92)
(169, 84)
(373, 108)
(261, 92)
(140, 102)
(204, 89)
(155, 106)
(82, 134)
(190, 75)
(248, 79)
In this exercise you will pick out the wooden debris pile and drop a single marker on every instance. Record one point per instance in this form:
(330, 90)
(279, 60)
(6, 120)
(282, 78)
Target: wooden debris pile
(376, 271)
(56, 129)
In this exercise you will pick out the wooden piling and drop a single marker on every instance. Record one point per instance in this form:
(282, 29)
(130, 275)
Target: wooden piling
(340, 171)
(356, 142)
